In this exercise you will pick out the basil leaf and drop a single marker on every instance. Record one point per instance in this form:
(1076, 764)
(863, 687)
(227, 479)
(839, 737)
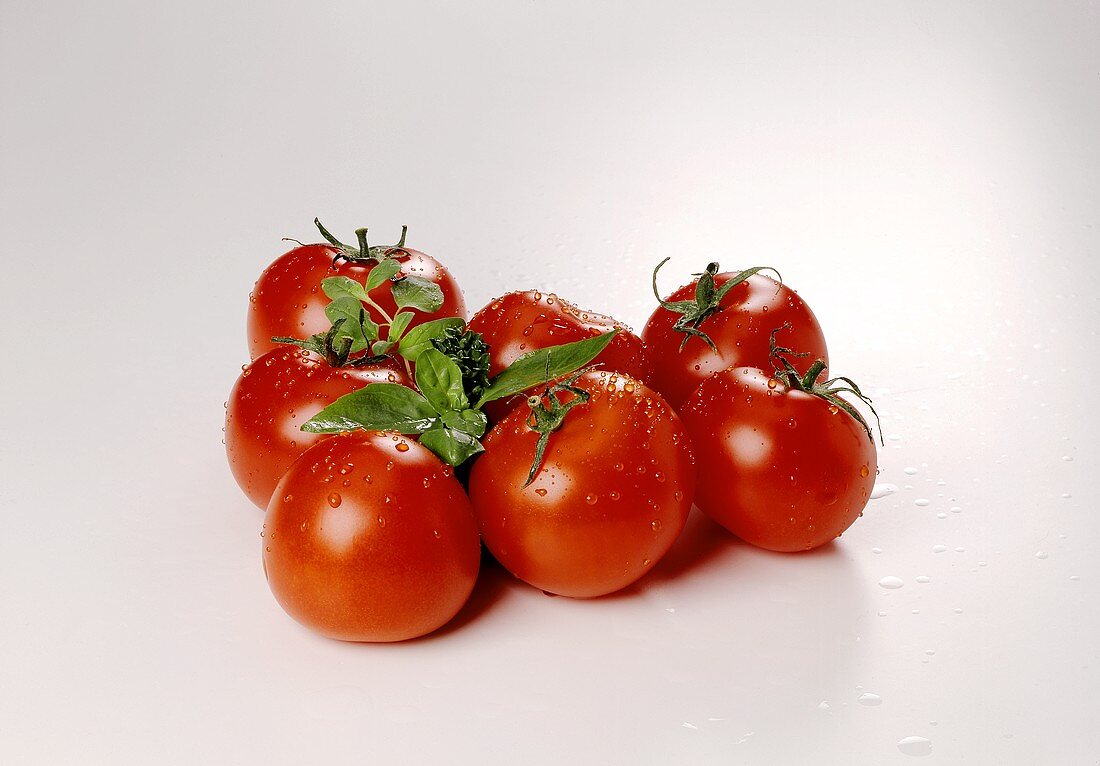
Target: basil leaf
(473, 422)
(341, 287)
(440, 380)
(385, 269)
(419, 293)
(380, 347)
(454, 447)
(357, 325)
(375, 407)
(544, 365)
(419, 338)
(398, 325)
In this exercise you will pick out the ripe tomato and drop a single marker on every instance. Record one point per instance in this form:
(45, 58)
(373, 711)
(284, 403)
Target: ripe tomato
(287, 300)
(783, 469)
(740, 330)
(369, 537)
(271, 399)
(611, 494)
(521, 322)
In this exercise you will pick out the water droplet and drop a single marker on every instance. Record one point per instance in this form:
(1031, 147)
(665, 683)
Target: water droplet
(659, 476)
(876, 550)
(864, 471)
(956, 509)
(334, 499)
(402, 447)
(540, 492)
(381, 521)
(590, 499)
(911, 471)
(656, 525)
(916, 746)
(891, 582)
(1041, 554)
(883, 489)
(939, 548)
(772, 383)
(923, 502)
(923, 579)
(288, 498)
(869, 699)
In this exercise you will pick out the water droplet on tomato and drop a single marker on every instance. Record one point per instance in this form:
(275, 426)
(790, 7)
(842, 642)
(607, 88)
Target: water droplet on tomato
(402, 447)
(288, 498)
(381, 521)
(772, 383)
(656, 525)
(591, 499)
(864, 471)
(540, 492)
(334, 499)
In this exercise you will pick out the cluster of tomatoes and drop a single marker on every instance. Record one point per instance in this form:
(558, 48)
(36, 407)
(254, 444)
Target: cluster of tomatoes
(388, 438)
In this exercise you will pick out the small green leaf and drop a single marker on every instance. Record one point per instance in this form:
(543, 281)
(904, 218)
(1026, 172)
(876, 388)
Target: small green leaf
(385, 269)
(544, 365)
(452, 446)
(380, 347)
(473, 422)
(440, 380)
(357, 325)
(340, 287)
(419, 338)
(398, 325)
(375, 407)
(419, 293)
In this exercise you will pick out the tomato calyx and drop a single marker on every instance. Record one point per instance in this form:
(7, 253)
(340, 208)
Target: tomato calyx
(829, 389)
(335, 346)
(548, 413)
(707, 299)
(364, 253)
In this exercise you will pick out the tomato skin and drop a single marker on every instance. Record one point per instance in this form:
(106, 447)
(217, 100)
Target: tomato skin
(612, 494)
(780, 468)
(369, 537)
(271, 399)
(520, 322)
(287, 300)
(741, 331)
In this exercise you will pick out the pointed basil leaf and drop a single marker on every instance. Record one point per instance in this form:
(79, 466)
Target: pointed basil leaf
(419, 338)
(473, 422)
(398, 325)
(375, 407)
(380, 347)
(357, 325)
(419, 293)
(452, 446)
(440, 380)
(385, 269)
(544, 365)
(340, 287)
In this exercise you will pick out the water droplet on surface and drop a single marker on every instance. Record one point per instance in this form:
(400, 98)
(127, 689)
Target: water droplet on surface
(1041, 554)
(915, 746)
(876, 550)
(891, 582)
(869, 699)
(939, 548)
(923, 579)
(883, 489)
(923, 502)
(910, 471)
(334, 499)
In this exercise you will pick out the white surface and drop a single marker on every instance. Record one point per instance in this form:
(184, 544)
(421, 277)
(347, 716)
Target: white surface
(925, 175)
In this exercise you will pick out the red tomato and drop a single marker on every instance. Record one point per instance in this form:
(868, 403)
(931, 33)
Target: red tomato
(521, 322)
(271, 399)
(783, 469)
(741, 331)
(610, 497)
(287, 300)
(369, 537)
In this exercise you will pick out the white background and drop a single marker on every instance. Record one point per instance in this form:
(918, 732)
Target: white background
(925, 174)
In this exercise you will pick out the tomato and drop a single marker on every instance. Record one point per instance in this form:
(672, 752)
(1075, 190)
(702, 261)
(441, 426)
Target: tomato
(781, 468)
(369, 537)
(287, 300)
(521, 322)
(610, 496)
(740, 330)
(271, 399)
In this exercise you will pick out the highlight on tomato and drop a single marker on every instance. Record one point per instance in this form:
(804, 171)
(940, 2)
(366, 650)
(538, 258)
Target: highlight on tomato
(369, 537)
(519, 322)
(581, 491)
(790, 462)
(722, 320)
(288, 299)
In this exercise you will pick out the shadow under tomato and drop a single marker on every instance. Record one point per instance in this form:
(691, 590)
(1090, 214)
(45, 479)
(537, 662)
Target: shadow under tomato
(493, 582)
